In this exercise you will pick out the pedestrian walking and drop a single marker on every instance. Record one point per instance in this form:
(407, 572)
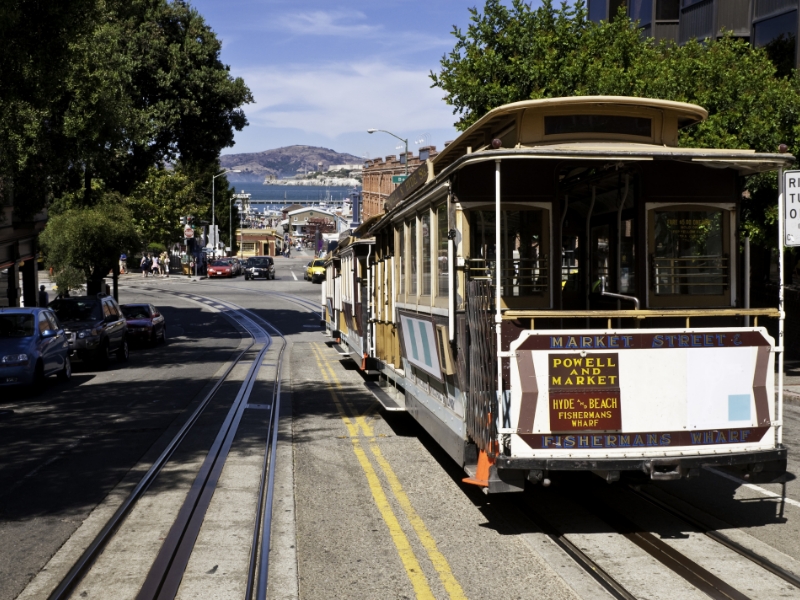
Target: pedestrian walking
(154, 268)
(123, 263)
(166, 264)
(145, 265)
(44, 298)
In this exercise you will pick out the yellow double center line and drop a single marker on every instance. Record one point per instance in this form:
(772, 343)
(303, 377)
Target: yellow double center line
(358, 422)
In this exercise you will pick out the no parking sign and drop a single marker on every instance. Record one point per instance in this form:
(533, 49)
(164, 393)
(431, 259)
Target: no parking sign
(791, 207)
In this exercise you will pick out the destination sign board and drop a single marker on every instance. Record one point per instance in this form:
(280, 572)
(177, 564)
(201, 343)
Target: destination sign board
(399, 178)
(584, 392)
(791, 207)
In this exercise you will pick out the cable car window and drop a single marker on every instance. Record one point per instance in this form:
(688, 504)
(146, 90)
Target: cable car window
(425, 231)
(627, 259)
(401, 252)
(601, 256)
(612, 124)
(688, 256)
(570, 263)
(442, 288)
(412, 257)
(524, 265)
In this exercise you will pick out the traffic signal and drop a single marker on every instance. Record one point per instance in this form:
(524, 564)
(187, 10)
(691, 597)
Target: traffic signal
(184, 220)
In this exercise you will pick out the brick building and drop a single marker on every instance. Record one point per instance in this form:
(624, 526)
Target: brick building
(377, 179)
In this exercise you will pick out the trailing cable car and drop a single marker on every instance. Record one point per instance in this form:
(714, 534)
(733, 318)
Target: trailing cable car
(565, 288)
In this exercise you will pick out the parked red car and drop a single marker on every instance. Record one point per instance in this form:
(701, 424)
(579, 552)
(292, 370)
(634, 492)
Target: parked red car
(145, 323)
(220, 268)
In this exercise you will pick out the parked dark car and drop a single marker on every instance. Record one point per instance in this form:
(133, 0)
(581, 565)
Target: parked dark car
(259, 266)
(33, 345)
(94, 326)
(145, 323)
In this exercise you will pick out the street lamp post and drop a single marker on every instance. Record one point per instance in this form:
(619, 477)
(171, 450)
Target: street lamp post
(213, 199)
(404, 140)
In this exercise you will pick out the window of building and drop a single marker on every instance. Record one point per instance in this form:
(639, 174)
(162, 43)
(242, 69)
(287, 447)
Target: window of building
(778, 36)
(443, 280)
(668, 10)
(413, 254)
(641, 10)
(425, 256)
(597, 10)
(248, 247)
(688, 252)
(613, 124)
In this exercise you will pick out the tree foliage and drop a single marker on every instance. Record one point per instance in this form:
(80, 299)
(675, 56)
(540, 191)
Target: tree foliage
(96, 97)
(508, 54)
(90, 239)
(108, 89)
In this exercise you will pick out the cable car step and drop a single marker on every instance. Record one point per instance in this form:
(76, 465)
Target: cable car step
(388, 397)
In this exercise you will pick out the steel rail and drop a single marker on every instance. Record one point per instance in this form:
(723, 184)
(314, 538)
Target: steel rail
(674, 560)
(756, 558)
(166, 573)
(259, 554)
(87, 558)
(603, 578)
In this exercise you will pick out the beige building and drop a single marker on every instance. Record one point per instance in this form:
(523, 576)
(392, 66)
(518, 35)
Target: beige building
(258, 242)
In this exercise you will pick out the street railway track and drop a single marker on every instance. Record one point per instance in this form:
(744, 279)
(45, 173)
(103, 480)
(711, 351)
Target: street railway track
(166, 573)
(651, 543)
(681, 565)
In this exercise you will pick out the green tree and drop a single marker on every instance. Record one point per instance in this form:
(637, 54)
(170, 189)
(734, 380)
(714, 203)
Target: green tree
(90, 239)
(508, 54)
(158, 203)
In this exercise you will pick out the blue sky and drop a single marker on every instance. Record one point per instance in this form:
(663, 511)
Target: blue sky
(323, 73)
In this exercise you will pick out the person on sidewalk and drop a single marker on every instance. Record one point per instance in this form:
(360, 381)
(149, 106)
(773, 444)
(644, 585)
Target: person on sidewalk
(166, 265)
(154, 268)
(44, 298)
(145, 265)
(123, 263)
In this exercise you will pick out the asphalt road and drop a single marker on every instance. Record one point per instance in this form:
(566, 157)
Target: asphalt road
(367, 505)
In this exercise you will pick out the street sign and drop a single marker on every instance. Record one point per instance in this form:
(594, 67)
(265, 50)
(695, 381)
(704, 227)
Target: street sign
(791, 207)
(188, 233)
(398, 178)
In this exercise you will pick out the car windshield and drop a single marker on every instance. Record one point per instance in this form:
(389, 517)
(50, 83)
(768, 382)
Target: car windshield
(72, 309)
(319, 263)
(135, 312)
(261, 262)
(16, 326)
(219, 263)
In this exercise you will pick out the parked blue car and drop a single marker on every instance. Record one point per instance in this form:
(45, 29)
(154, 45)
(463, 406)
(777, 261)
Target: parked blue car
(32, 346)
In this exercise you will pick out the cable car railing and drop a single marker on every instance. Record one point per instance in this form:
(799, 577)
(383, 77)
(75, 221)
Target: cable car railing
(518, 276)
(695, 275)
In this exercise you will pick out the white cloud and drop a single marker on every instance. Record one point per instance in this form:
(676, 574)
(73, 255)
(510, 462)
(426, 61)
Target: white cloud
(331, 23)
(334, 99)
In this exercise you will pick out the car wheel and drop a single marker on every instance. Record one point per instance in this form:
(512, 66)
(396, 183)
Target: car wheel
(163, 338)
(123, 353)
(65, 374)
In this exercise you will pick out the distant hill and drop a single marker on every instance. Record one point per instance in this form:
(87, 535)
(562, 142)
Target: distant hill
(283, 162)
